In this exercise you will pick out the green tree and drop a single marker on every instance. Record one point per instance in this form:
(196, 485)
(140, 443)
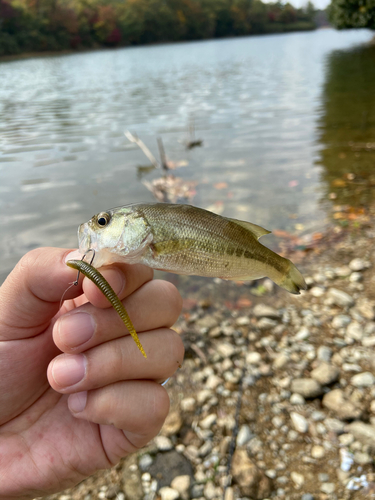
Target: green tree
(352, 13)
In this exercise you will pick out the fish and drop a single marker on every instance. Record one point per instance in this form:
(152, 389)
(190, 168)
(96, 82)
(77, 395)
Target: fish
(188, 240)
(94, 275)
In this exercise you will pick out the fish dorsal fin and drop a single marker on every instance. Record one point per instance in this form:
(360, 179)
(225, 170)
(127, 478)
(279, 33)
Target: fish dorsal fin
(256, 230)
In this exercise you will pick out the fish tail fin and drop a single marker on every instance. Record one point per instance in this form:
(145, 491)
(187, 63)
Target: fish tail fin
(293, 281)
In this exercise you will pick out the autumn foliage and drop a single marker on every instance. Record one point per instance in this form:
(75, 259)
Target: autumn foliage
(38, 25)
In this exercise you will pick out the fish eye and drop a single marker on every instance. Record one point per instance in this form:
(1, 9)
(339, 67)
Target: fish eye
(103, 219)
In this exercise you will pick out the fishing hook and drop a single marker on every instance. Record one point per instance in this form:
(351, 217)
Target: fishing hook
(75, 283)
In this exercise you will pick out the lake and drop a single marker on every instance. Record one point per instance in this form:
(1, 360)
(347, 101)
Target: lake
(287, 123)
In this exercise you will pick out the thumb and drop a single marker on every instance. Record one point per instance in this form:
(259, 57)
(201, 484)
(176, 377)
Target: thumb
(30, 296)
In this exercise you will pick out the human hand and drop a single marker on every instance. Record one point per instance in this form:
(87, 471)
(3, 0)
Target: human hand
(102, 400)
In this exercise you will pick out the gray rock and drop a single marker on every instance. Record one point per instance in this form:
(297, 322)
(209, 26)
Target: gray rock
(358, 265)
(280, 361)
(334, 425)
(362, 458)
(317, 291)
(167, 493)
(318, 451)
(341, 321)
(244, 435)
(324, 353)
(328, 488)
(364, 433)
(266, 323)
(307, 387)
(163, 443)
(131, 477)
(251, 480)
(297, 478)
(167, 466)
(297, 399)
(307, 496)
(325, 374)
(354, 331)
(145, 461)
(341, 405)
(253, 358)
(226, 349)
(299, 422)
(364, 379)
(208, 421)
(340, 298)
(264, 311)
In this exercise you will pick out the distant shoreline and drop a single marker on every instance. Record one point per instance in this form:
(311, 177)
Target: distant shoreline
(66, 52)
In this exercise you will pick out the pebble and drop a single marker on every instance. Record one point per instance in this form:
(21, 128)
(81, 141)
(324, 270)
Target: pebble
(266, 324)
(362, 458)
(325, 374)
(280, 361)
(324, 353)
(307, 387)
(346, 439)
(300, 423)
(365, 433)
(297, 399)
(302, 334)
(187, 404)
(318, 451)
(343, 271)
(364, 379)
(358, 265)
(213, 382)
(354, 331)
(307, 496)
(328, 488)
(167, 493)
(297, 478)
(317, 291)
(340, 298)
(253, 358)
(337, 401)
(208, 421)
(163, 443)
(182, 485)
(242, 321)
(341, 321)
(226, 349)
(145, 461)
(264, 311)
(244, 435)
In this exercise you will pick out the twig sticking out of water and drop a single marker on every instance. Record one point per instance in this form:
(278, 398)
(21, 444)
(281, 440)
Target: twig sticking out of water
(143, 147)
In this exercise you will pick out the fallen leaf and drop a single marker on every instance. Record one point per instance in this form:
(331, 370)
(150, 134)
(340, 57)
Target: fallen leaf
(220, 185)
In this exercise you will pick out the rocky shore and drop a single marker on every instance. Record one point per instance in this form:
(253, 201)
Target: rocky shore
(276, 396)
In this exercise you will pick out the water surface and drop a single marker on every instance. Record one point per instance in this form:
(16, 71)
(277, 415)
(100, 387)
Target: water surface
(274, 113)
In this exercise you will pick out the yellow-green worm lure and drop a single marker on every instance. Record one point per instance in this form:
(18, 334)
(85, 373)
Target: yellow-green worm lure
(94, 275)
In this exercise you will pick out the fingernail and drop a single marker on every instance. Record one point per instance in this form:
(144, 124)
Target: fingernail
(76, 329)
(77, 402)
(68, 369)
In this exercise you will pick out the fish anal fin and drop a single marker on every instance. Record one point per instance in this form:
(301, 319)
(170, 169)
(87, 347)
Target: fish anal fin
(256, 230)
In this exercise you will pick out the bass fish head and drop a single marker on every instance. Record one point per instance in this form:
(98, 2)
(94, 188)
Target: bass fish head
(118, 232)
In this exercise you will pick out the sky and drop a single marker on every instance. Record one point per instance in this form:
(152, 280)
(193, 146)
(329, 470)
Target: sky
(319, 4)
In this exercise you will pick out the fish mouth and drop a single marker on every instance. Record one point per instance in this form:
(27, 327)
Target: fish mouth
(84, 238)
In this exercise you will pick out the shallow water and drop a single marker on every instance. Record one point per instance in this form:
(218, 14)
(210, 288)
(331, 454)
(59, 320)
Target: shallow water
(281, 118)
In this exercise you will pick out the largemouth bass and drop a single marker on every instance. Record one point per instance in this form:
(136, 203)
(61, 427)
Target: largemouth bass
(184, 239)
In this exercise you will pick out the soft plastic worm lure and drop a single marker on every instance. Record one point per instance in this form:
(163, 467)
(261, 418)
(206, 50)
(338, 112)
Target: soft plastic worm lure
(94, 275)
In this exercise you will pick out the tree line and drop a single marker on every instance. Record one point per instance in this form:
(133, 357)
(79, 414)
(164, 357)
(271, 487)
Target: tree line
(53, 25)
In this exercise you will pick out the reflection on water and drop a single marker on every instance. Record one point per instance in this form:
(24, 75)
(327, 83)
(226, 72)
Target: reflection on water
(347, 127)
(255, 103)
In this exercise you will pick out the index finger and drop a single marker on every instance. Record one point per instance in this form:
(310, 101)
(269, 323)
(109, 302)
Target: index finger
(123, 278)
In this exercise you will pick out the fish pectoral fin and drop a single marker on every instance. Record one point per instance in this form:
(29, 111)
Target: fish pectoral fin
(256, 230)
(171, 247)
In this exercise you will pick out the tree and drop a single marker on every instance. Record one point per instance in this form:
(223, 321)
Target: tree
(352, 13)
